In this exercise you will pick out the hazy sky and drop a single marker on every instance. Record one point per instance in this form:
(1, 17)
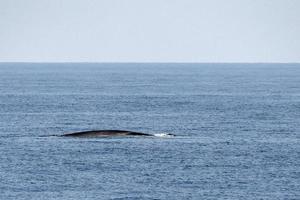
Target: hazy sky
(150, 30)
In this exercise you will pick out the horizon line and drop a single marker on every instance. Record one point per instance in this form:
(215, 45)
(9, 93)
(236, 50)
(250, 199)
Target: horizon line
(136, 62)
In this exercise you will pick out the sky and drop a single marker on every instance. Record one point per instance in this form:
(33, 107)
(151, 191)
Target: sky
(150, 31)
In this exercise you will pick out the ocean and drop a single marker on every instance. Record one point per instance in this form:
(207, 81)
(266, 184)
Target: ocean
(237, 130)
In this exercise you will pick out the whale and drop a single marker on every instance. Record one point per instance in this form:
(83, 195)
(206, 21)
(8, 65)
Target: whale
(112, 133)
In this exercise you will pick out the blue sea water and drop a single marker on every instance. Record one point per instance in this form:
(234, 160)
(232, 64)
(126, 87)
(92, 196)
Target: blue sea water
(237, 127)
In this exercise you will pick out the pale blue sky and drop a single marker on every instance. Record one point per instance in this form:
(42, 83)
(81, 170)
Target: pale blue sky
(150, 30)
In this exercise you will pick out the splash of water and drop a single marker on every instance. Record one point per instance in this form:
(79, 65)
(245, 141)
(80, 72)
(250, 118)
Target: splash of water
(167, 135)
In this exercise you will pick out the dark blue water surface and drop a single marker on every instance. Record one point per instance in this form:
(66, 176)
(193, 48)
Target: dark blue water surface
(237, 127)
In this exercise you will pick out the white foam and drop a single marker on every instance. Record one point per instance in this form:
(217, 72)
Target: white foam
(163, 135)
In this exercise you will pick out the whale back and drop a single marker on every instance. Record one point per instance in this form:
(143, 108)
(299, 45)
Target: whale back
(105, 133)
